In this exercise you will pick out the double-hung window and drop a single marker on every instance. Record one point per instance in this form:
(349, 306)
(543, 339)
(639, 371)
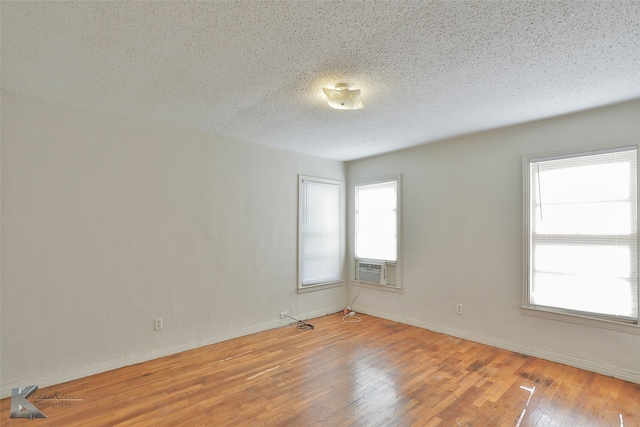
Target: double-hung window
(376, 233)
(319, 232)
(581, 228)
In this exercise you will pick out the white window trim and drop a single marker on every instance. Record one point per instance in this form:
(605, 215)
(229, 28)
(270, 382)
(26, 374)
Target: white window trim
(580, 320)
(325, 285)
(546, 313)
(398, 262)
(395, 289)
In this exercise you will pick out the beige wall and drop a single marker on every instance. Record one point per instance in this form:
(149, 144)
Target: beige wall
(109, 222)
(462, 239)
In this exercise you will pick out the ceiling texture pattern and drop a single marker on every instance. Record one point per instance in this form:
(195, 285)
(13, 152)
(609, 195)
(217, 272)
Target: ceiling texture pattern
(253, 70)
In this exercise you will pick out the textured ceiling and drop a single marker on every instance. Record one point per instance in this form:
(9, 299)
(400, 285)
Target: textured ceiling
(253, 70)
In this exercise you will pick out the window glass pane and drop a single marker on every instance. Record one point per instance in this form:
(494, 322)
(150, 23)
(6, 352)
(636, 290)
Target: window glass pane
(602, 295)
(584, 218)
(584, 260)
(376, 221)
(600, 183)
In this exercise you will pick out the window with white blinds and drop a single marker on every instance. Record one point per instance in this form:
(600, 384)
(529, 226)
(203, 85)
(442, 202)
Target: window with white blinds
(582, 241)
(376, 221)
(319, 257)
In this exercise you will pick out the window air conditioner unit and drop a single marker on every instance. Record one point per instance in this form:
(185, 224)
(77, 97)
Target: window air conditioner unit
(372, 272)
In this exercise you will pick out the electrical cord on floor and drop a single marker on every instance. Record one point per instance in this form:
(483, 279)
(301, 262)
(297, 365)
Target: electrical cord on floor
(351, 315)
(301, 324)
(353, 300)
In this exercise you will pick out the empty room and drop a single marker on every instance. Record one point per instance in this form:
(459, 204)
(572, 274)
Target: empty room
(319, 213)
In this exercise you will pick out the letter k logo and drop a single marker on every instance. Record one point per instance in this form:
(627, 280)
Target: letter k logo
(21, 407)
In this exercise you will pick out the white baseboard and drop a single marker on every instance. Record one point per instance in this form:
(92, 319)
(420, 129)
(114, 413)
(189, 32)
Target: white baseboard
(109, 365)
(96, 368)
(600, 368)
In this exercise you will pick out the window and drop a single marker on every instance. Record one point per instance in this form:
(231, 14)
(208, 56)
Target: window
(582, 242)
(319, 257)
(376, 221)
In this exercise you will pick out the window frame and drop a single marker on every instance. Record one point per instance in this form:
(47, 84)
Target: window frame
(392, 266)
(559, 314)
(301, 287)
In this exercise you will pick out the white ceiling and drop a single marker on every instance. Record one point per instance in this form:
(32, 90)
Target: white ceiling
(253, 70)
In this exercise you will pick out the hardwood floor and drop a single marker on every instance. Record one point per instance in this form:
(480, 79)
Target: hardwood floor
(372, 373)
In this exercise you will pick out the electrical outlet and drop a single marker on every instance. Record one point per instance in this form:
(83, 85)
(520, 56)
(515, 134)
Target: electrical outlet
(284, 314)
(459, 308)
(157, 324)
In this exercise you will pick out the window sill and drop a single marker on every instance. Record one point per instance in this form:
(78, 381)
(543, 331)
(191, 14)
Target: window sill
(378, 287)
(320, 287)
(581, 320)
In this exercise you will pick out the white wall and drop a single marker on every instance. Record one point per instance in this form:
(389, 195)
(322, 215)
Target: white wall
(462, 240)
(109, 222)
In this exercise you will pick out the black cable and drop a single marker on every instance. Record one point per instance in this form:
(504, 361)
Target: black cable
(301, 324)
(305, 326)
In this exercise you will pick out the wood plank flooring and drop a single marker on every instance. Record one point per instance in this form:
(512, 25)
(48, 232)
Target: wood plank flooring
(372, 373)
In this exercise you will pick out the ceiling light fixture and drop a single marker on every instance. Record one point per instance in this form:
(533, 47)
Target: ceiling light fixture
(343, 98)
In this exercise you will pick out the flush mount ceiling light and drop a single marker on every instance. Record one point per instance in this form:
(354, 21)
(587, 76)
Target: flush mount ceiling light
(343, 98)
